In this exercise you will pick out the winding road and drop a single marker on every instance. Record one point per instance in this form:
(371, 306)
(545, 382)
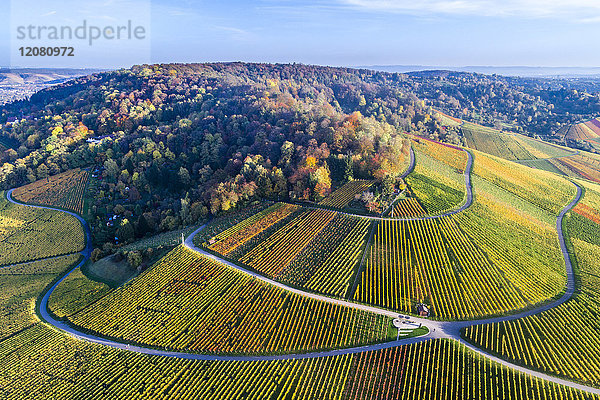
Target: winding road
(437, 329)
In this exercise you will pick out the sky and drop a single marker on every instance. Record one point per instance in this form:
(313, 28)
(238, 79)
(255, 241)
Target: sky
(333, 32)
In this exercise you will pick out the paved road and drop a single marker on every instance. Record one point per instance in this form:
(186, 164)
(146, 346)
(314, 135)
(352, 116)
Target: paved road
(453, 329)
(71, 331)
(411, 165)
(189, 243)
(437, 329)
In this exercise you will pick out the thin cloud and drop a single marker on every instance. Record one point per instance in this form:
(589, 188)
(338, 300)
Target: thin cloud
(235, 33)
(178, 13)
(561, 9)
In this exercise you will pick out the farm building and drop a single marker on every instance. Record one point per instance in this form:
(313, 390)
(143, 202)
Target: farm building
(422, 310)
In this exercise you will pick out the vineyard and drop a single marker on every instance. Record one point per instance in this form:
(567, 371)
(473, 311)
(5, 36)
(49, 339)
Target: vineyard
(191, 303)
(35, 358)
(545, 165)
(513, 147)
(318, 250)
(563, 341)
(441, 369)
(589, 206)
(21, 285)
(541, 188)
(226, 221)
(449, 155)
(588, 212)
(584, 131)
(435, 262)
(74, 293)
(230, 239)
(437, 180)
(233, 256)
(594, 125)
(29, 234)
(447, 120)
(518, 237)
(492, 141)
(64, 190)
(49, 266)
(582, 166)
(328, 263)
(496, 256)
(543, 150)
(271, 256)
(407, 208)
(345, 194)
(588, 132)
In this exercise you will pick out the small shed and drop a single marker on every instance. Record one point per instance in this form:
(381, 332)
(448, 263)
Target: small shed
(422, 310)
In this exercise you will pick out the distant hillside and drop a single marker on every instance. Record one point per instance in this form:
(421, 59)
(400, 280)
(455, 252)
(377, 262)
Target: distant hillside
(582, 135)
(515, 71)
(16, 84)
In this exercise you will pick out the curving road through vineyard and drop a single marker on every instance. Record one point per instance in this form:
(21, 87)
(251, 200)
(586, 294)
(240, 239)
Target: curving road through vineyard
(437, 329)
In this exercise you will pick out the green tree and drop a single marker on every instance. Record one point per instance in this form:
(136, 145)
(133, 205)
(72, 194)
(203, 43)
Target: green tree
(134, 259)
(111, 168)
(387, 185)
(42, 171)
(125, 232)
(265, 187)
(184, 177)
